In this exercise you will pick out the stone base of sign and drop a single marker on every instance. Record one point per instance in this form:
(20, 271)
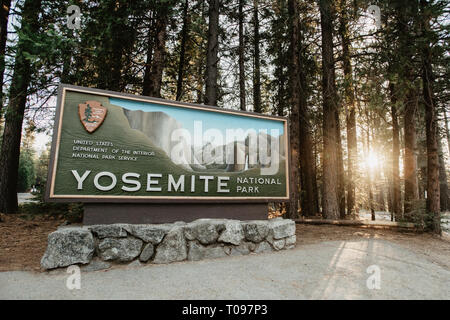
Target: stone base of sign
(147, 213)
(99, 246)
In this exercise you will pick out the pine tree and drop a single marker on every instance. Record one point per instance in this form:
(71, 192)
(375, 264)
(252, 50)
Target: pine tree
(330, 192)
(10, 150)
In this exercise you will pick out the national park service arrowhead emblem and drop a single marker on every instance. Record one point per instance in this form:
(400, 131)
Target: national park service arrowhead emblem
(92, 114)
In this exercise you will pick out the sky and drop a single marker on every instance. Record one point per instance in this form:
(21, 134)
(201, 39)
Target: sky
(40, 142)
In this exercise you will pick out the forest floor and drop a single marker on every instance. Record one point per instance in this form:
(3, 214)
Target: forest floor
(23, 240)
(328, 262)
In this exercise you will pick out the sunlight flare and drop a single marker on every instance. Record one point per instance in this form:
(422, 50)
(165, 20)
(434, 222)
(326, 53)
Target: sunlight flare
(372, 160)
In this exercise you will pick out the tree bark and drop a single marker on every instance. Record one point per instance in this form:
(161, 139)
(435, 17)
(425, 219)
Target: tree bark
(445, 205)
(280, 74)
(257, 61)
(410, 162)
(388, 174)
(281, 86)
(330, 201)
(241, 57)
(294, 87)
(212, 58)
(148, 61)
(447, 133)
(341, 174)
(4, 14)
(184, 32)
(406, 14)
(433, 185)
(10, 150)
(200, 83)
(396, 195)
(308, 197)
(369, 179)
(201, 58)
(350, 108)
(307, 169)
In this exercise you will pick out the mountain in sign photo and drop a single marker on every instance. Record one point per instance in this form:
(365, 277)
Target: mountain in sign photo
(234, 156)
(158, 127)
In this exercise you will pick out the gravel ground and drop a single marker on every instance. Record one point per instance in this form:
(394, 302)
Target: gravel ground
(321, 270)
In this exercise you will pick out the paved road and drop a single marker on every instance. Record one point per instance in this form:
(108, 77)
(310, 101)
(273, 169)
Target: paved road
(327, 270)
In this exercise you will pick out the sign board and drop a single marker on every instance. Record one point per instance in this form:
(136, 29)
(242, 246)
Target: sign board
(113, 147)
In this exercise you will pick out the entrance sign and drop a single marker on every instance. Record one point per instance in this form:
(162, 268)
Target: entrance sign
(113, 147)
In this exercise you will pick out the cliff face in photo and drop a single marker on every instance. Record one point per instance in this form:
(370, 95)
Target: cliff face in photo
(158, 126)
(242, 155)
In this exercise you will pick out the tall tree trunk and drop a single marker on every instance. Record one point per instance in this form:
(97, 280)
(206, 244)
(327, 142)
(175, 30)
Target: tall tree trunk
(396, 195)
(433, 185)
(256, 61)
(447, 133)
(241, 57)
(212, 58)
(184, 32)
(4, 14)
(10, 149)
(156, 72)
(369, 180)
(409, 161)
(67, 67)
(350, 108)
(148, 61)
(388, 174)
(341, 174)
(330, 201)
(281, 87)
(445, 205)
(307, 170)
(294, 87)
(200, 59)
(200, 83)
(280, 74)
(378, 182)
(316, 160)
(379, 187)
(406, 15)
